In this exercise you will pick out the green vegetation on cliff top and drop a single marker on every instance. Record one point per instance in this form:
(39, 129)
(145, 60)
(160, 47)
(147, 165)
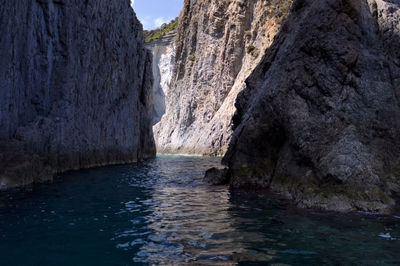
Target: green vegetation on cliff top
(152, 35)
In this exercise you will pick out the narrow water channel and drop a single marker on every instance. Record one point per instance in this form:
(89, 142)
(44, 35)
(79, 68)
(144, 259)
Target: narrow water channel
(160, 212)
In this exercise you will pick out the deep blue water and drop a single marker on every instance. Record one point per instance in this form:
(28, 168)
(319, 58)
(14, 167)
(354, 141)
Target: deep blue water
(160, 212)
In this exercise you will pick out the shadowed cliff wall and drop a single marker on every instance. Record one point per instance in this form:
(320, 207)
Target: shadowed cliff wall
(75, 88)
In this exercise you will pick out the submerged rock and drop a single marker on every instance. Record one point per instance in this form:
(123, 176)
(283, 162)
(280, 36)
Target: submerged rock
(319, 120)
(75, 88)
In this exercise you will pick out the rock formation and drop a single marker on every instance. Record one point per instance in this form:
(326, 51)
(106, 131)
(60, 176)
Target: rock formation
(319, 120)
(75, 88)
(219, 43)
(163, 50)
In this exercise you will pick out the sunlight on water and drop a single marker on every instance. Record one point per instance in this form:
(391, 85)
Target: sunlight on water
(160, 212)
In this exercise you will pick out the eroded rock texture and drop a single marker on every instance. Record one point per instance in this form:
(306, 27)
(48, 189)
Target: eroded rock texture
(319, 120)
(219, 43)
(163, 50)
(75, 88)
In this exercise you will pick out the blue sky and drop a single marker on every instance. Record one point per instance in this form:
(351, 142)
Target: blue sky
(153, 13)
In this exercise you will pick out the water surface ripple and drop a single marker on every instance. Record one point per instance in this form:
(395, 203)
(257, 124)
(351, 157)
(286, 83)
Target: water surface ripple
(160, 212)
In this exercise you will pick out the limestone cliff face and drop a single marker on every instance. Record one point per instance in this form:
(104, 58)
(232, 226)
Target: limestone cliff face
(163, 50)
(319, 120)
(219, 43)
(75, 88)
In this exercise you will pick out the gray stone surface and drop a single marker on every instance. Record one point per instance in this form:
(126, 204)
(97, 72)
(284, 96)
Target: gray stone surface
(75, 88)
(319, 120)
(163, 50)
(218, 45)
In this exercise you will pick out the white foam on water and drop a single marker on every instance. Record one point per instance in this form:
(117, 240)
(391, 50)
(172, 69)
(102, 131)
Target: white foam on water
(387, 236)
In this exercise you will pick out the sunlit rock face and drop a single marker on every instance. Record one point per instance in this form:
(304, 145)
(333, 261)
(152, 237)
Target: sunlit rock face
(319, 120)
(75, 88)
(218, 45)
(163, 50)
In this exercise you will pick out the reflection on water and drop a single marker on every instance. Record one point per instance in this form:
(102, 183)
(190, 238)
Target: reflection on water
(185, 220)
(160, 212)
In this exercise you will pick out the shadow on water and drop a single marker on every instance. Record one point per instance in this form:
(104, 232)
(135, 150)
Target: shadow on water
(160, 212)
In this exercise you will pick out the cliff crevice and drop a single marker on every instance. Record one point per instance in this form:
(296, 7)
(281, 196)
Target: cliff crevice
(163, 50)
(218, 44)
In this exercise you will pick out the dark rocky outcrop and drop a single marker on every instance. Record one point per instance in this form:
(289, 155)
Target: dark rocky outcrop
(75, 88)
(319, 120)
(217, 177)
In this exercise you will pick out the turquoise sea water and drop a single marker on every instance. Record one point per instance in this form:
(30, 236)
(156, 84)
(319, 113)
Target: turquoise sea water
(160, 212)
